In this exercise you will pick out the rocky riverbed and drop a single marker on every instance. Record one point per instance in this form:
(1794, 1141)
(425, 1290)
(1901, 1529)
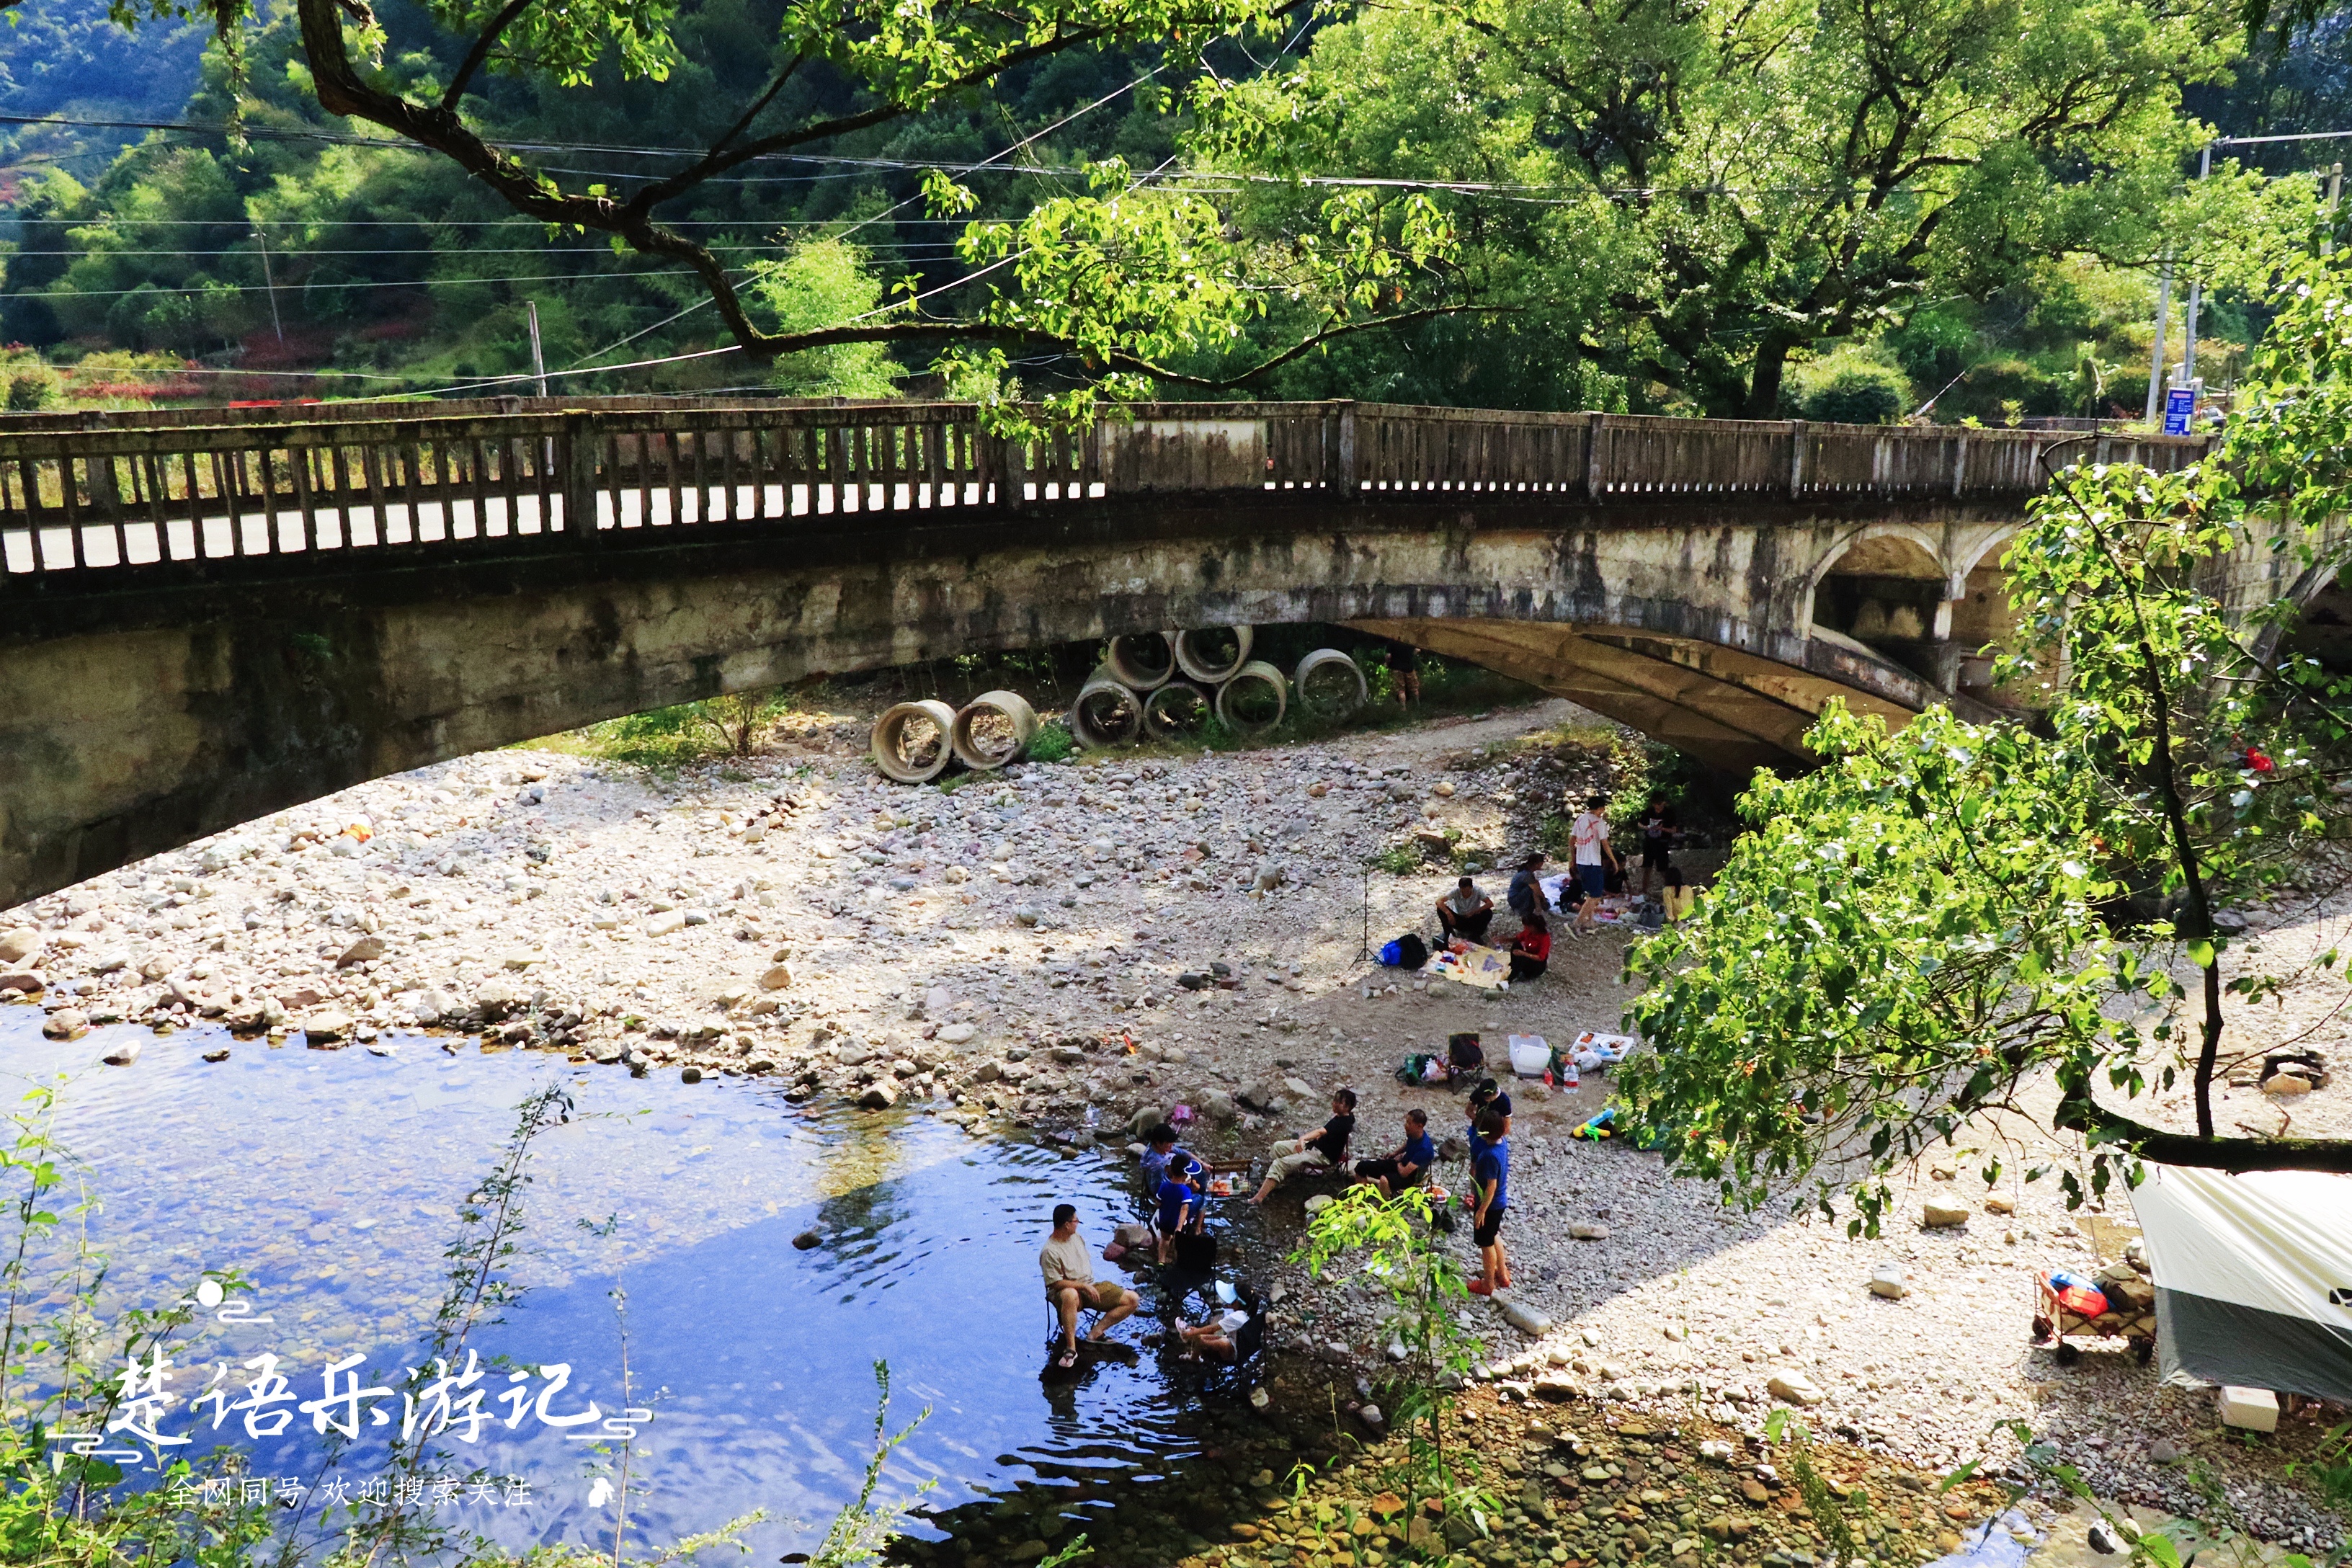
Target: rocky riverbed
(1080, 947)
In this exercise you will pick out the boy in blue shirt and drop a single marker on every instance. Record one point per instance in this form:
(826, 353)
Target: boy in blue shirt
(1404, 1166)
(1490, 1180)
(1178, 1197)
(1488, 1095)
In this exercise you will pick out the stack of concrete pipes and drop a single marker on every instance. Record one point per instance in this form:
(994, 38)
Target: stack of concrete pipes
(1159, 684)
(913, 743)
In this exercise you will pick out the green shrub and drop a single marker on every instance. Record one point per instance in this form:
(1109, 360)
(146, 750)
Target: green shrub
(31, 388)
(1053, 743)
(1858, 392)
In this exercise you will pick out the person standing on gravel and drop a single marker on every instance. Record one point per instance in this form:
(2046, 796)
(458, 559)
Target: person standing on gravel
(1660, 829)
(1595, 857)
(1490, 1179)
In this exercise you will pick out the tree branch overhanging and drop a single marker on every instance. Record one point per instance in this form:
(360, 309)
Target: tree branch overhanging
(342, 89)
(2079, 1111)
(480, 52)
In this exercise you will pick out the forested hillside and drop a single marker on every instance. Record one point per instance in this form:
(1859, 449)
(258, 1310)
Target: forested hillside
(1627, 228)
(65, 58)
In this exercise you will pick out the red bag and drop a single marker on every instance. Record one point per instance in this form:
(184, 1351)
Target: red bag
(2082, 1301)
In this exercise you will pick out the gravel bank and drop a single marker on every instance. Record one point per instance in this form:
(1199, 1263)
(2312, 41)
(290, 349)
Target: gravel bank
(1014, 951)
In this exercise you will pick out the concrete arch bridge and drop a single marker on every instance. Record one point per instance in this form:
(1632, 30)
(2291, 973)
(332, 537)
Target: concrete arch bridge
(212, 615)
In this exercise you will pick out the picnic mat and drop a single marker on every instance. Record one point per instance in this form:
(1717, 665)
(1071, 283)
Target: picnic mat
(1485, 967)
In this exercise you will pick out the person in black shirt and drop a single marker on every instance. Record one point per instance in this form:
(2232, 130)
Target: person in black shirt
(1526, 894)
(1660, 829)
(1312, 1150)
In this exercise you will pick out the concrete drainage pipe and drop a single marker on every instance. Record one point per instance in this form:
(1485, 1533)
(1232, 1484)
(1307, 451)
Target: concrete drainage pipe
(994, 728)
(1330, 684)
(1254, 699)
(912, 740)
(1179, 707)
(1105, 714)
(1212, 654)
(1140, 662)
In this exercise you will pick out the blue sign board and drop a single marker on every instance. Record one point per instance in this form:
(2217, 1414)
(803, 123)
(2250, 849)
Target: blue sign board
(2179, 408)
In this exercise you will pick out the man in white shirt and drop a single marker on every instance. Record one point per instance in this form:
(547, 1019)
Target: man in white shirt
(1070, 1285)
(1594, 859)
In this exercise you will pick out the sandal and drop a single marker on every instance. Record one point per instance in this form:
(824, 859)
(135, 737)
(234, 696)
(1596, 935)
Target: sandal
(1066, 1359)
(1479, 1287)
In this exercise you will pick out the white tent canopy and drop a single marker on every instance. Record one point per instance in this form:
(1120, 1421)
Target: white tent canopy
(2253, 1278)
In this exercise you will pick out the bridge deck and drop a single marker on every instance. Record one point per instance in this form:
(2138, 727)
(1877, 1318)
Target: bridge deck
(162, 489)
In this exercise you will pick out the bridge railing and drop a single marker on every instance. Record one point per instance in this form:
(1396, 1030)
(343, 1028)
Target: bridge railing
(513, 473)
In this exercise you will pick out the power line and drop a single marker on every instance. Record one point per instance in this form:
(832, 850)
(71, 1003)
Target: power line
(145, 372)
(262, 288)
(431, 223)
(891, 211)
(932, 253)
(2298, 136)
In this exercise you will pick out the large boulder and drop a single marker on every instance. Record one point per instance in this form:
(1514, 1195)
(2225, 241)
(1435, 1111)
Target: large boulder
(361, 952)
(1262, 1097)
(497, 998)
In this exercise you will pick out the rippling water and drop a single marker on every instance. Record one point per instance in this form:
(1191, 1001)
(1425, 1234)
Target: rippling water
(333, 1179)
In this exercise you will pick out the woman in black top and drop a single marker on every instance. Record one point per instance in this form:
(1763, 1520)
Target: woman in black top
(1312, 1150)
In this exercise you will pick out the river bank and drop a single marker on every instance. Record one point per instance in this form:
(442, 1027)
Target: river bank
(1013, 953)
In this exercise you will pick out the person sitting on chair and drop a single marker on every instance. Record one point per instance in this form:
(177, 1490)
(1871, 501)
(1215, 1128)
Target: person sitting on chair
(1407, 1163)
(1159, 1156)
(1070, 1285)
(1230, 1336)
(1312, 1150)
(1531, 948)
(1466, 912)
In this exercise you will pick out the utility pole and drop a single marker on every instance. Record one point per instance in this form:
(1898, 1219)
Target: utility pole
(538, 364)
(270, 281)
(2156, 359)
(2196, 293)
(2334, 194)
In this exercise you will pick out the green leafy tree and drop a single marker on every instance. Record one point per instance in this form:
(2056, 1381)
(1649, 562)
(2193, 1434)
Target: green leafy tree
(1687, 194)
(2009, 921)
(1127, 274)
(822, 283)
(1389, 1242)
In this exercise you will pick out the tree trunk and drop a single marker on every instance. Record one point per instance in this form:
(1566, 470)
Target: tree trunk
(1764, 380)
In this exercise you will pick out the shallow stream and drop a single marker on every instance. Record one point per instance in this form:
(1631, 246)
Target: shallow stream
(333, 1180)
